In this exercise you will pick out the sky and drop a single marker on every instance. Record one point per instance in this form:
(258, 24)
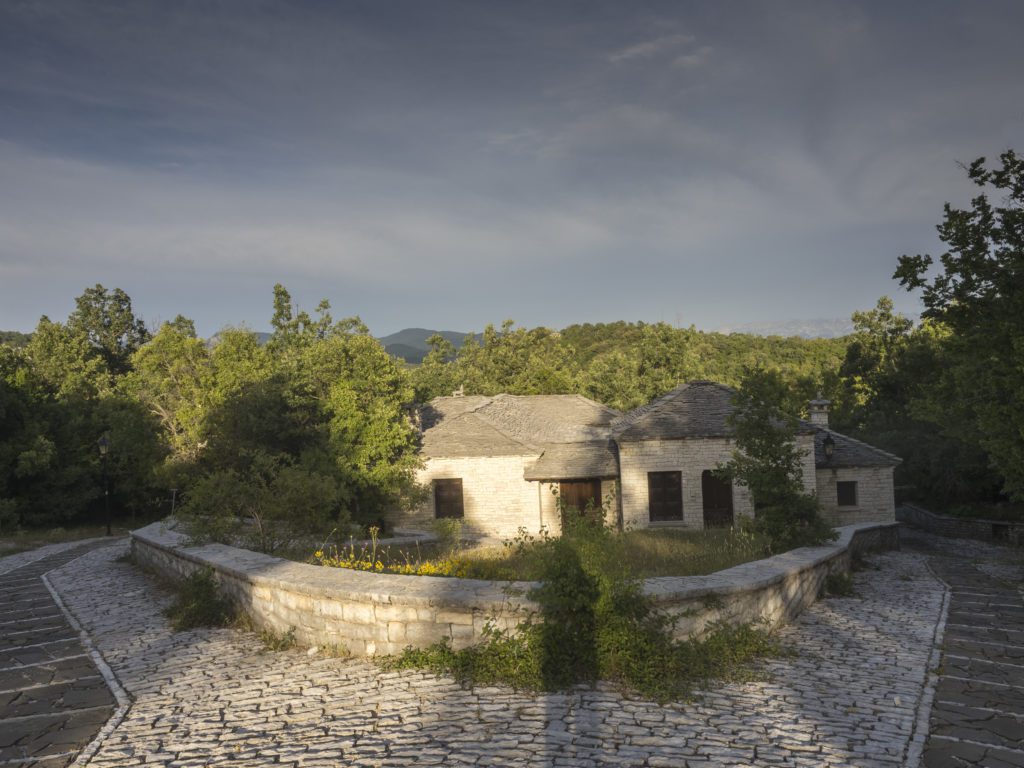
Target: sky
(450, 164)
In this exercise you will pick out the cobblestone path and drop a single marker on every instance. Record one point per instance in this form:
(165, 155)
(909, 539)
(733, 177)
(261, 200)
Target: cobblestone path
(53, 699)
(849, 698)
(978, 713)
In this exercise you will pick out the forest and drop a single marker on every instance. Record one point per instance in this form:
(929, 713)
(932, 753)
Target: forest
(315, 424)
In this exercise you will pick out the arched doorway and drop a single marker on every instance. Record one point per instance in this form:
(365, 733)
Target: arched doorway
(717, 495)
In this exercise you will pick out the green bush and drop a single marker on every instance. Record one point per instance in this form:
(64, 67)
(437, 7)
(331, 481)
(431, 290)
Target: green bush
(199, 604)
(265, 507)
(595, 623)
(839, 585)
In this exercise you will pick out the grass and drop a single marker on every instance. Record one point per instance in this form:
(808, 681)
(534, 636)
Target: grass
(25, 539)
(32, 538)
(197, 603)
(839, 585)
(643, 554)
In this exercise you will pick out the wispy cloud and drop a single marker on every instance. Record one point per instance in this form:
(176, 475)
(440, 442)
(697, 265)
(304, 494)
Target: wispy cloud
(650, 48)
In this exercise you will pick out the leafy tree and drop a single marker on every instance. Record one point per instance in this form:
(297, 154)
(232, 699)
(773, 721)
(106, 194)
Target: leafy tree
(107, 321)
(978, 294)
(768, 461)
(436, 375)
(172, 376)
(267, 506)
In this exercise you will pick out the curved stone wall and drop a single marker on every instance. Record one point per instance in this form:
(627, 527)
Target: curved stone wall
(372, 613)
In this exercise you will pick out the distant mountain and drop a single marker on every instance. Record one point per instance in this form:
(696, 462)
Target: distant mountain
(820, 328)
(411, 345)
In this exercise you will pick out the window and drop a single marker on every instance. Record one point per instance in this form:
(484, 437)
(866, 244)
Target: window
(665, 496)
(846, 493)
(448, 498)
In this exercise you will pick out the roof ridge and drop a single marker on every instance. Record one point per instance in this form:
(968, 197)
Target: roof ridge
(631, 417)
(488, 423)
(586, 399)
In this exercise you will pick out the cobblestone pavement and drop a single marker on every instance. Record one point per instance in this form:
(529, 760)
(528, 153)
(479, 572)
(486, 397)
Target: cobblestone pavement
(977, 717)
(849, 698)
(53, 699)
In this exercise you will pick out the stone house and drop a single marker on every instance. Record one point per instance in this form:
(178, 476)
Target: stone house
(499, 463)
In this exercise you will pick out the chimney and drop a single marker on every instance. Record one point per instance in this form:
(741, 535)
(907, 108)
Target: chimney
(819, 412)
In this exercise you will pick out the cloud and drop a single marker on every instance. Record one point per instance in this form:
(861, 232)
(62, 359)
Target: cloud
(650, 48)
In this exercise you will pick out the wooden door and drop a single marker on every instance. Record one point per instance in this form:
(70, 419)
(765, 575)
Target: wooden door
(717, 500)
(580, 495)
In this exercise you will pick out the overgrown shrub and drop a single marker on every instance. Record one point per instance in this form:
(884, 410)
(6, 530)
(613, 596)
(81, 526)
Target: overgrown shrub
(595, 623)
(839, 585)
(199, 604)
(768, 461)
(265, 507)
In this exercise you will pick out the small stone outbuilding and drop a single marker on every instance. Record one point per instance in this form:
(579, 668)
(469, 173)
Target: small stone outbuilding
(499, 463)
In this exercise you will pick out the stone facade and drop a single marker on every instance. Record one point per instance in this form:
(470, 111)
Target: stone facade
(691, 457)
(875, 496)
(510, 451)
(497, 501)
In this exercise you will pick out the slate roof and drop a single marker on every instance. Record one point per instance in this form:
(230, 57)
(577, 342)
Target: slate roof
(517, 425)
(576, 461)
(576, 438)
(850, 453)
(695, 409)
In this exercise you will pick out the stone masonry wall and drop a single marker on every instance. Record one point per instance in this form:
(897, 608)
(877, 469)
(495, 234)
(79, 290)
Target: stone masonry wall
(371, 613)
(959, 527)
(691, 457)
(876, 502)
(497, 501)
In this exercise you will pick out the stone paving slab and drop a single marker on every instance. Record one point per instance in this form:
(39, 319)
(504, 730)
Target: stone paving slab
(850, 696)
(53, 700)
(977, 718)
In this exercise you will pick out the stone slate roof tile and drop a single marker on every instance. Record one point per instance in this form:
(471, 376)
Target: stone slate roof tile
(510, 425)
(694, 409)
(850, 453)
(467, 435)
(575, 461)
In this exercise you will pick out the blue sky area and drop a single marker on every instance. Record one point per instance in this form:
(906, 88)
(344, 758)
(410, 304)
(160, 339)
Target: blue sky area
(449, 164)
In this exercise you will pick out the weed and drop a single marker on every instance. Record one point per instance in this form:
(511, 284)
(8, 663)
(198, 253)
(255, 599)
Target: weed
(274, 641)
(839, 585)
(198, 604)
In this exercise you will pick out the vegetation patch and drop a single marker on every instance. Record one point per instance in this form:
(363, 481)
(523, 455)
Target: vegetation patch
(839, 585)
(278, 641)
(595, 623)
(198, 603)
(644, 554)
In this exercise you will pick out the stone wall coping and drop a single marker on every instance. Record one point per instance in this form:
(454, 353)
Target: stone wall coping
(757, 574)
(955, 519)
(442, 591)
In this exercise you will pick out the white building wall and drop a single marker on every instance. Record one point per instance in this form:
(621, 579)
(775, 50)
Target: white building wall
(496, 500)
(876, 501)
(691, 457)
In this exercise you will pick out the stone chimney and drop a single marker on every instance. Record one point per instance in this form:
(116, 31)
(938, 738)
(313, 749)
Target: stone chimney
(819, 412)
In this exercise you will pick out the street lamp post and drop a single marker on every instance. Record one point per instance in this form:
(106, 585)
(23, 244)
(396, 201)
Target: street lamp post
(104, 445)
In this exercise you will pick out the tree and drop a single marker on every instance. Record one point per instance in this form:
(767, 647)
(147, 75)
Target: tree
(978, 294)
(172, 376)
(768, 461)
(108, 323)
